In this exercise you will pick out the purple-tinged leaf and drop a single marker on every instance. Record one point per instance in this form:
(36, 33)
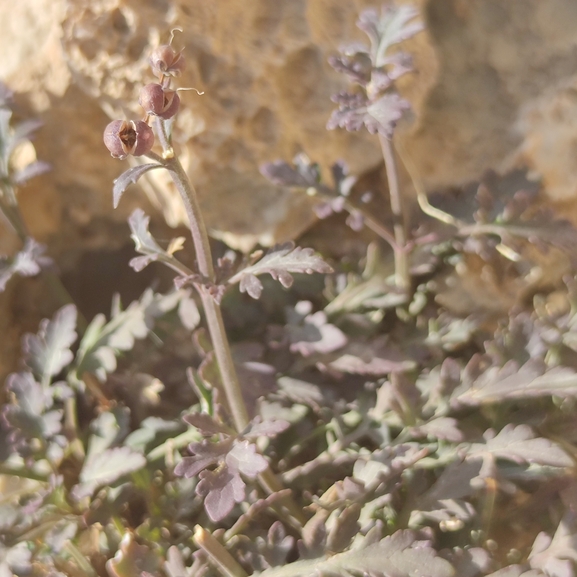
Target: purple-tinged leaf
(204, 455)
(206, 424)
(22, 132)
(32, 170)
(268, 428)
(129, 177)
(243, 457)
(302, 175)
(519, 444)
(105, 468)
(379, 116)
(48, 352)
(279, 262)
(221, 490)
(444, 500)
(356, 66)
(315, 335)
(444, 428)
(132, 560)
(279, 545)
(372, 358)
(28, 262)
(555, 556)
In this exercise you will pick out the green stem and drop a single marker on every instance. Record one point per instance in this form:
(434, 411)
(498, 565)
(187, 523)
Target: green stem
(402, 273)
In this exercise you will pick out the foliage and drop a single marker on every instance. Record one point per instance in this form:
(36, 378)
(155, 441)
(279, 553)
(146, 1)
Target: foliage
(388, 433)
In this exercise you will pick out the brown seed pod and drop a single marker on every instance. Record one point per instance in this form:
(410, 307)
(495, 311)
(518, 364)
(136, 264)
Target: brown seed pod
(165, 61)
(160, 101)
(124, 137)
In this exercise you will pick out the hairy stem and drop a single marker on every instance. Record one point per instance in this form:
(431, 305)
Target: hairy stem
(215, 322)
(402, 274)
(211, 309)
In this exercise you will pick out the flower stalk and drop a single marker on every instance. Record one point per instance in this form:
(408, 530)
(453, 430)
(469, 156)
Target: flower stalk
(400, 248)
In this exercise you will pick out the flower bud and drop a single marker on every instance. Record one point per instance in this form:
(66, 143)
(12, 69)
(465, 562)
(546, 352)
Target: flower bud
(124, 137)
(160, 101)
(164, 60)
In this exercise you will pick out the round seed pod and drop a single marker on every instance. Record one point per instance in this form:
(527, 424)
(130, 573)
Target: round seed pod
(160, 101)
(165, 61)
(124, 137)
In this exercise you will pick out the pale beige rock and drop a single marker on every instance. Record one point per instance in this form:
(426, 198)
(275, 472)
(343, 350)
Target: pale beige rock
(495, 87)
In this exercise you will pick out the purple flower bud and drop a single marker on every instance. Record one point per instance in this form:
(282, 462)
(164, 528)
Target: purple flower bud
(160, 101)
(124, 137)
(165, 61)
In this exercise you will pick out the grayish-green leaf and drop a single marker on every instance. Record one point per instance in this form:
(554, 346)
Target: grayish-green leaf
(48, 352)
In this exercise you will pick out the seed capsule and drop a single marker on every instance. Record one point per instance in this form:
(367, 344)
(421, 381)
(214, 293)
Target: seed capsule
(160, 101)
(165, 61)
(124, 137)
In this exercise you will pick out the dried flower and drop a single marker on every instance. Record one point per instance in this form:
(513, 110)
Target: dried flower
(160, 101)
(124, 137)
(165, 61)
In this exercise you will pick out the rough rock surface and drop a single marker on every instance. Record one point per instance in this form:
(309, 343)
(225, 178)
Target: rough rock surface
(496, 86)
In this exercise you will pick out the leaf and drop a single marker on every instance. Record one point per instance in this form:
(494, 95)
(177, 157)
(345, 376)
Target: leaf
(344, 529)
(303, 175)
(378, 116)
(243, 457)
(103, 340)
(143, 241)
(204, 455)
(28, 417)
(279, 262)
(267, 428)
(105, 468)
(28, 262)
(129, 177)
(444, 500)
(392, 26)
(221, 490)
(553, 556)
(315, 335)
(32, 170)
(206, 424)
(48, 352)
(378, 357)
(533, 379)
(519, 444)
(393, 556)
(132, 559)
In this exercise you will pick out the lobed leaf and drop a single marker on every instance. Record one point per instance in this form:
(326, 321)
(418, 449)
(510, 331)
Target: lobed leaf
(129, 177)
(397, 555)
(221, 490)
(105, 468)
(519, 444)
(28, 262)
(279, 262)
(533, 379)
(379, 116)
(48, 352)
